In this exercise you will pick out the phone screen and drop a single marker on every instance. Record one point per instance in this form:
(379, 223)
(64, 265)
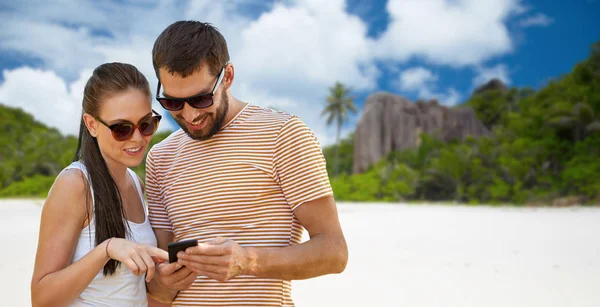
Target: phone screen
(175, 247)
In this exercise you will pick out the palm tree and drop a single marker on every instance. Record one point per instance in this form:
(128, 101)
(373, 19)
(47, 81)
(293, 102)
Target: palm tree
(338, 104)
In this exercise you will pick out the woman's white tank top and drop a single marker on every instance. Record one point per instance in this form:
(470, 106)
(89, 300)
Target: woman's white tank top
(122, 288)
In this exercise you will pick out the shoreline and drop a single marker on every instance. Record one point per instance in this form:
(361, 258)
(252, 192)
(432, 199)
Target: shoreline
(40, 201)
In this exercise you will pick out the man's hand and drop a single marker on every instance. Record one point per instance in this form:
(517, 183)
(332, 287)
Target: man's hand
(219, 259)
(174, 276)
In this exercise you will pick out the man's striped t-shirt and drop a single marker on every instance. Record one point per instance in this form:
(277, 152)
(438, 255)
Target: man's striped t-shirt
(243, 184)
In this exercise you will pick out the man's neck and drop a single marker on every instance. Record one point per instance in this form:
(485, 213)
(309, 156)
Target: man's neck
(235, 107)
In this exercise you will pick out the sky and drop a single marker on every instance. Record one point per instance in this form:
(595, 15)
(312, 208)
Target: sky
(287, 54)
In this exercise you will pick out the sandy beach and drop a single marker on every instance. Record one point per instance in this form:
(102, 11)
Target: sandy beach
(410, 255)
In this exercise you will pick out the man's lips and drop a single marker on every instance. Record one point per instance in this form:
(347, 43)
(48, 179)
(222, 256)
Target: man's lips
(197, 125)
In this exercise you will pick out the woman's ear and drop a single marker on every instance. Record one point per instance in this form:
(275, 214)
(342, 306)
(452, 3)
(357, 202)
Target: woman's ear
(91, 124)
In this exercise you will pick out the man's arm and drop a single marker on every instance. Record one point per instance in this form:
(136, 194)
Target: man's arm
(170, 278)
(300, 170)
(325, 253)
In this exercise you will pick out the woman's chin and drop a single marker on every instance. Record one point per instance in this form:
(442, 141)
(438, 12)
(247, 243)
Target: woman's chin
(130, 161)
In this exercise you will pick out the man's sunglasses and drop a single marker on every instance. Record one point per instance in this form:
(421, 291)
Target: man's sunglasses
(124, 131)
(199, 101)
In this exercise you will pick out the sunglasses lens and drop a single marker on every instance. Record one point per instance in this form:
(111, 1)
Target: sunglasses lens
(122, 132)
(149, 126)
(171, 104)
(201, 102)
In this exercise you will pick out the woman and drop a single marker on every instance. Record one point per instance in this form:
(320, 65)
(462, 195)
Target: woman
(95, 240)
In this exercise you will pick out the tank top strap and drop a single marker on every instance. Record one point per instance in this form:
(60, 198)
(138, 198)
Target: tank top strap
(138, 186)
(80, 166)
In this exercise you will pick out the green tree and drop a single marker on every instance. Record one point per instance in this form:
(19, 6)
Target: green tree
(339, 104)
(32, 154)
(580, 120)
(345, 155)
(452, 162)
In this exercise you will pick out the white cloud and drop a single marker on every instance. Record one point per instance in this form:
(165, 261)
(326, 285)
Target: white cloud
(422, 81)
(44, 95)
(538, 20)
(287, 58)
(299, 48)
(68, 54)
(290, 55)
(48, 97)
(416, 78)
(448, 97)
(484, 74)
(520, 8)
(62, 49)
(448, 32)
(69, 37)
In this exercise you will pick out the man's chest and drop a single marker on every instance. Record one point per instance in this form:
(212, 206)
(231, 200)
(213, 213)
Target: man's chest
(210, 172)
(226, 191)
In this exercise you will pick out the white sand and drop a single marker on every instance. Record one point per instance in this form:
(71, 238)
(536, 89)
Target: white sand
(409, 255)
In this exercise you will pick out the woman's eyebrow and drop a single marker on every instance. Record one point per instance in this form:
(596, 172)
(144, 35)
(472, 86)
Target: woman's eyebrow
(120, 120)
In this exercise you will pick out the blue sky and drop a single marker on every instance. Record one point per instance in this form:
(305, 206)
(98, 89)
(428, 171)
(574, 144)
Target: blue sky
(541, 52)
(287, 53)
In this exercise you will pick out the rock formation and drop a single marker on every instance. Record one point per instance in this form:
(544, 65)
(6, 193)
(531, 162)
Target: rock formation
(494, 84)
(390, 122)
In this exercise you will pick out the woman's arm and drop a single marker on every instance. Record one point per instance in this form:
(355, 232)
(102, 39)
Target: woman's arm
(54, 281)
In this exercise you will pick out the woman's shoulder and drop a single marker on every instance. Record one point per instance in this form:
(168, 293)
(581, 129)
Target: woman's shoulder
(68, 193)
(72, 178)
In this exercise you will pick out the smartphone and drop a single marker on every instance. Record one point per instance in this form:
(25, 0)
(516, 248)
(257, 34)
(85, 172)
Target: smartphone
(175, 247)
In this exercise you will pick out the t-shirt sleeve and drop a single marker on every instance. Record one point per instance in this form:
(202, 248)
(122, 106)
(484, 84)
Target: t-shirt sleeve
(299, 164)
(159, 219)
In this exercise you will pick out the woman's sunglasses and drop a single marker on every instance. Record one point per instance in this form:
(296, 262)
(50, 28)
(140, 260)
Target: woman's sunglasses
(124, 131)
(199, 101)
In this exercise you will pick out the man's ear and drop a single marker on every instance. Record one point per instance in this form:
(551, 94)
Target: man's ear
(91, 124)
(229, 75)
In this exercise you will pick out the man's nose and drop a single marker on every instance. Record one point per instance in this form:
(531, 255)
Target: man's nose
(190, 113)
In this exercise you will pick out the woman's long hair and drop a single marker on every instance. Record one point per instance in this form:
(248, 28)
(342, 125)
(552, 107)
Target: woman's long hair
(110, 220)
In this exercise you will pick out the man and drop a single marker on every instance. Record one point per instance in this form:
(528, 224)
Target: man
(241, 179)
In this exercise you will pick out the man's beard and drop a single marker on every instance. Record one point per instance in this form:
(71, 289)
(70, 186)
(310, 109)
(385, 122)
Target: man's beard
(217, 123)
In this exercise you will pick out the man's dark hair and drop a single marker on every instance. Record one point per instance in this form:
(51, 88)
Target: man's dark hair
(184, 45)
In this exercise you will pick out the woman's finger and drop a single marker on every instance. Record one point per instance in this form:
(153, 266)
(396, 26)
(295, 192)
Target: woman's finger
(149, 265)
(131, 265)
(159, 255)
(142, 268)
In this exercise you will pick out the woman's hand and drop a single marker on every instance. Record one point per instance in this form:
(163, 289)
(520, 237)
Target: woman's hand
(138, 258)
